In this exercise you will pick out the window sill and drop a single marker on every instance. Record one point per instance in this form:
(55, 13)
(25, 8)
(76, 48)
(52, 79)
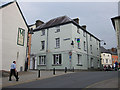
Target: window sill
(42, 65)
(43, 35)
(57, 65)
(57, 47)
(42, 49)
(79, 65)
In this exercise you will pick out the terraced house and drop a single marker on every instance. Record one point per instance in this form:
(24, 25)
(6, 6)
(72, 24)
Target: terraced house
(62, 42)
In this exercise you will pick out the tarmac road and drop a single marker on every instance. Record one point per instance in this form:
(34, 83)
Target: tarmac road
(74, 80)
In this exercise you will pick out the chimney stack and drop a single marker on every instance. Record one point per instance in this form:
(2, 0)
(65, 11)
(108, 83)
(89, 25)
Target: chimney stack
(84, 26)
(38, 23)
(76, 20)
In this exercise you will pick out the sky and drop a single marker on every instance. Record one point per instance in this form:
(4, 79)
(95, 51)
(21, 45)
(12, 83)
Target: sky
(95, 15)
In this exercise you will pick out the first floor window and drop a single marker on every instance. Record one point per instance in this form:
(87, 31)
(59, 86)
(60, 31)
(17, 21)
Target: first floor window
(79, 59)
(43, 45)
(42, 60)
(91, 62)
(106, 60)
(57, 59)
(57, 42)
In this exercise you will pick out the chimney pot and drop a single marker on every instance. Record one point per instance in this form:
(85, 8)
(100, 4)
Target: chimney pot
(38, 23)
(76, 20)
(84, 26)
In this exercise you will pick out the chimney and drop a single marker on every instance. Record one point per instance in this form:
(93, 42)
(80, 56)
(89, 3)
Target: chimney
(84, 26)
(38, 23)
(76, 20)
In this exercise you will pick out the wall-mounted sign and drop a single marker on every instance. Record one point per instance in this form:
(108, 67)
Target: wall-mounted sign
(66, 39)
(21, 36)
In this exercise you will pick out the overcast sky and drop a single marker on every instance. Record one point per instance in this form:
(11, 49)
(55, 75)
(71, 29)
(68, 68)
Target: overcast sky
(96, 15)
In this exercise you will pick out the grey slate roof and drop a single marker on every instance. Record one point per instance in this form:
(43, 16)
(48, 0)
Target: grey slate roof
(55, 22)
(103, 50)
(60, 21)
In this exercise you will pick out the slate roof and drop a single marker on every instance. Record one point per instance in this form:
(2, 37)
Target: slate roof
(55, 22)
(60, 21)
(103, 50)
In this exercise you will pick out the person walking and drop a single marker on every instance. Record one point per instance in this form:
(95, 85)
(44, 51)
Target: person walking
(13, 71)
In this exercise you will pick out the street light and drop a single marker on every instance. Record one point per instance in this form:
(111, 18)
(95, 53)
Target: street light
(103, 41)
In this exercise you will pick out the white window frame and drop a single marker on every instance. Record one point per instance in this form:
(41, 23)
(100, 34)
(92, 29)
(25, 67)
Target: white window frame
(42, 45)
(57, 58)
(91, 49)
(42, 60)
(106, 60)
(84, 45)
(57, 42)
(79, 56)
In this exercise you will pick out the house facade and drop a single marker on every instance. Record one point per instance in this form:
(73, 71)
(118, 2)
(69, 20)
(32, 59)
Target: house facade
(106, 59)
(114, 59)
(14, 36)
(116, 24)
(62, 42)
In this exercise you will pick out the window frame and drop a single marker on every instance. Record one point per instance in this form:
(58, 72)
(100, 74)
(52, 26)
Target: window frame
(57, 42)
(42, 45)
(42, 60)
(57, 59)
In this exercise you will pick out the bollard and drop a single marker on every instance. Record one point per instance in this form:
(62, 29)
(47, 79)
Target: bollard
(53, 71)
(38, 73)
(65, 69)
(73, 69)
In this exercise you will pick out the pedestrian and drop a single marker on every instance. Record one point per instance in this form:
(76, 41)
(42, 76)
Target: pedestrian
(13, 71)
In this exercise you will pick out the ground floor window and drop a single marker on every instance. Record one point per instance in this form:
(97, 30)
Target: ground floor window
(79, 59)
(57, 59)
(42, 60)
(91, 62)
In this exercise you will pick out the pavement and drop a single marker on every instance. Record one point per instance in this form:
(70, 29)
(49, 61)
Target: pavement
(29, 76)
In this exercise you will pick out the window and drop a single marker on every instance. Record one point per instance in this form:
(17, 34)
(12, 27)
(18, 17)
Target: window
(106, 60)
(78, 31)
(79, 59)
(43, 32)
(57, 59)
(42, 60)
(84, 33)
(43, 45)
(113, 59)
(103, 60)
(57, 42)
(90, 38)
(91, 48)
(57, 29)
(84, 46)
(91, 62)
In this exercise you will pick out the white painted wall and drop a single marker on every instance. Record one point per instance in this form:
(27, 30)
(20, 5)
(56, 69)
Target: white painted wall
(11, 21)
(0, 39)
(105, 56)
